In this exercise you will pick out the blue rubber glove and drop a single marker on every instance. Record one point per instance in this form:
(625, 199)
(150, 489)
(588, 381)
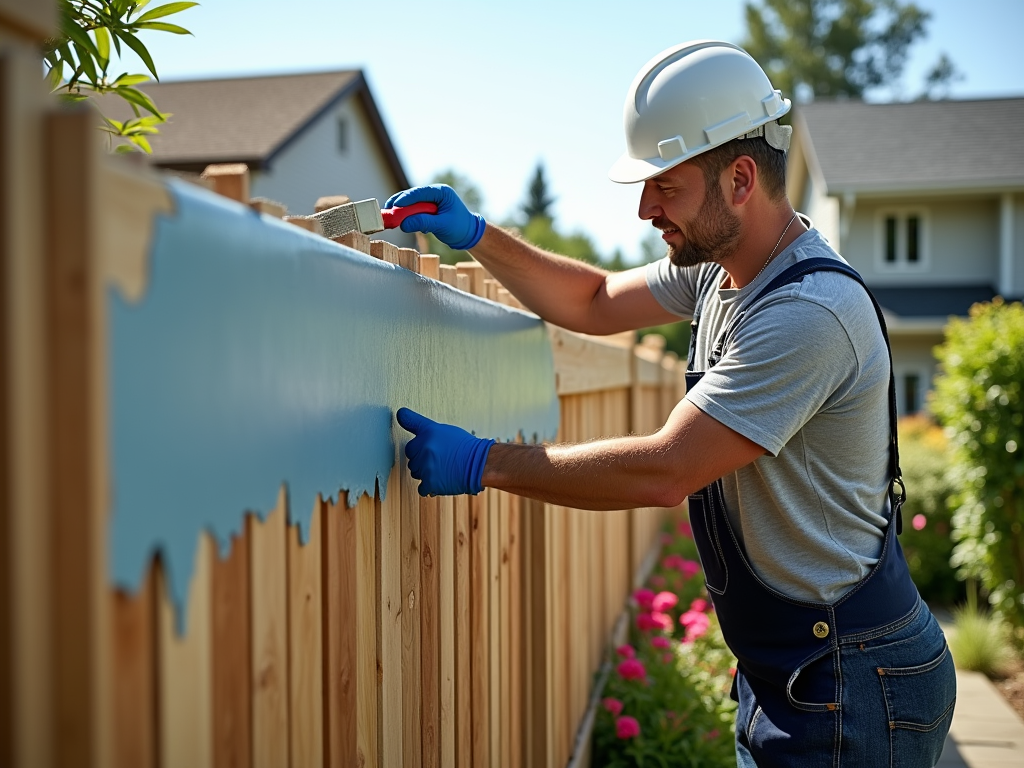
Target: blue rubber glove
(447, 460)
(453, 224)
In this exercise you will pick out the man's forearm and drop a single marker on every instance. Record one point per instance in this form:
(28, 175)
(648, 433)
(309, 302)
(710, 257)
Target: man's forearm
(620, 473)
(559, 289)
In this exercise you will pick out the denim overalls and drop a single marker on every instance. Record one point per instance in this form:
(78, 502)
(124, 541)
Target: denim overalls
(864, 681)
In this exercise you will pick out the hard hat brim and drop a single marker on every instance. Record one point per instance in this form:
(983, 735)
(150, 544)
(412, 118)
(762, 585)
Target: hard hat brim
(631, 170)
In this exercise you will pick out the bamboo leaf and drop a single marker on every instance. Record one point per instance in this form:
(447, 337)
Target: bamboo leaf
(87, 63)
(164, 27)
(123, 149)
(127, 79)
(53, 78)
(164, 10)
(133, 42)
(142, 143)
(102, 35)
(135, 96)
(79, 36)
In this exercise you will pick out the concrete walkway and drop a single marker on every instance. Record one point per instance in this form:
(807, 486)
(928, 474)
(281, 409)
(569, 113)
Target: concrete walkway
(986, 732)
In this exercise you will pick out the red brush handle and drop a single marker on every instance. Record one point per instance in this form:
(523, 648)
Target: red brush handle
(393, 217)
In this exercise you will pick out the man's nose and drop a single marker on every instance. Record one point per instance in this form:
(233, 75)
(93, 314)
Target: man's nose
(649, 209)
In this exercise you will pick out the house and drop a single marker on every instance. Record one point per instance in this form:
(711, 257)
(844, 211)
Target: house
(926, 200)
(303, 136)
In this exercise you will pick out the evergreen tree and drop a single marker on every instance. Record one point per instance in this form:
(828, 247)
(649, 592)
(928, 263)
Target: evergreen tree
(538, 199)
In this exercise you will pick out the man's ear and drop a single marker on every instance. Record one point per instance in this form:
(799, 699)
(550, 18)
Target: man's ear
(742, 179)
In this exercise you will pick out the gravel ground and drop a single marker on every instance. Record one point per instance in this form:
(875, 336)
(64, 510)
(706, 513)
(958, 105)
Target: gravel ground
(1012, 686)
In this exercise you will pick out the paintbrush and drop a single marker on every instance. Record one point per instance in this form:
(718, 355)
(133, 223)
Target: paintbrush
(366, 216)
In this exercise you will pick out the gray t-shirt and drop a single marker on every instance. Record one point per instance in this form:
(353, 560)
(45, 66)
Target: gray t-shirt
(806, 377)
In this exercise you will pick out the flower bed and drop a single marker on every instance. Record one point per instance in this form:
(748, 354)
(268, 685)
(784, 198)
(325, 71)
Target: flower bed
(667, 701)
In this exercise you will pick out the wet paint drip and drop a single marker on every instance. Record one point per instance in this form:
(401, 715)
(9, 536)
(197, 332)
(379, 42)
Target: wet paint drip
(261, 354)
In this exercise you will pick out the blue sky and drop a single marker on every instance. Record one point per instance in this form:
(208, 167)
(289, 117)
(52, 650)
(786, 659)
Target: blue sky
(489, 89)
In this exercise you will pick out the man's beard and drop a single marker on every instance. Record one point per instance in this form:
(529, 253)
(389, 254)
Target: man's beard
(710, 237)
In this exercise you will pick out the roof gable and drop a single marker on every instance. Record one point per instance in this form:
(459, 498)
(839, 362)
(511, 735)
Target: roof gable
(918, 145)
(250, 119)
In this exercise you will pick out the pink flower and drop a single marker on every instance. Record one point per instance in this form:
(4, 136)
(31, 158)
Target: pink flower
(666, 539)
(631, 669)
(627, 727)
(661, 620)
(699, 605)
(660, 641)
(919, 522)
(732, 671)
(658, 580)
(666, 658)
(684, 529)
(689, 568)
(612, 705)
(644, 622)
(695, 630)
(672, 562)
(626, 651)
(692, 617)
(664, 601)
(643, 598)
(711, 735)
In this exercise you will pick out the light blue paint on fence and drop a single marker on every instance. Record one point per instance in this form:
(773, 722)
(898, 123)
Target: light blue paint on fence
(261, 355)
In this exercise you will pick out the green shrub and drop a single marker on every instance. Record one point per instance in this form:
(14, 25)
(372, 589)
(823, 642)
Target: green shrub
(926, 540)
(979, 641)
(979, 397)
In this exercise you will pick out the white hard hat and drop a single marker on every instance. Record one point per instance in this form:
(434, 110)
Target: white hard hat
(693, 97)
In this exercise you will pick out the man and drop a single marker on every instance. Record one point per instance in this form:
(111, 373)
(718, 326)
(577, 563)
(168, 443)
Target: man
(785, 441)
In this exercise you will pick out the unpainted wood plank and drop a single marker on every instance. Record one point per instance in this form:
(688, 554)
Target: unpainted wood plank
(185, 687)
(588, 364)
(385, 251)
(446, 628)
(307, 223)
(230, 180)
(390, 730)
(448, 274)
(491, 287)
(516, 650)
(269, 571)
(494, 691)
(409, 258)
(462, 642)
(232, 656)
(340, 605)
(430, 637)
(463, 283)
(135, 683)
(411, 607)
(537, 607)
(367, 627)
(429, 265)
(475, 273)
(269, 207)
(305, 644)
(357, 241)
(480, 628)
(504, 626)
(330, 201)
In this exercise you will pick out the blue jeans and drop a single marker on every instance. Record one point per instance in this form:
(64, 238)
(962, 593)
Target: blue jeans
(894, 691)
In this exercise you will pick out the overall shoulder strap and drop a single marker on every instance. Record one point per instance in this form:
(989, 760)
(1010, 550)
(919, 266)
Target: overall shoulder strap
(704, 287)
(795, 274)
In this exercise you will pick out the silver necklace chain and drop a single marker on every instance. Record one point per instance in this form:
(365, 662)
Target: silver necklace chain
(772, 254)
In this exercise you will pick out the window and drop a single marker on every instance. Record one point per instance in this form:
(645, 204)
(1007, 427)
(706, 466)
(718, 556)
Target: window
(911, 393)
(902, 240)
(342, 135)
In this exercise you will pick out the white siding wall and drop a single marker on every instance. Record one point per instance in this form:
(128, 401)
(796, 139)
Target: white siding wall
(823, 210)
(314, 166)
(913, 355)
(962, 239)
(1018, 248)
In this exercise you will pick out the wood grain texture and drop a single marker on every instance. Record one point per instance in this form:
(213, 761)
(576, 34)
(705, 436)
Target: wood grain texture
(480, 628)
(504, 627)
(429, 265)
(232, 657)
(340, 605)
(463, 639)
(185, 689)
(446, 628)
(269, 615)
(409, 258)
(430, 637)
(305, 644)
(411, 673)
(230, 180)
(494, 624)
(135, 681)
(587, 364)
(385, 251)
(357, 241)
(516, 671)
(367, 628)
(390, 746)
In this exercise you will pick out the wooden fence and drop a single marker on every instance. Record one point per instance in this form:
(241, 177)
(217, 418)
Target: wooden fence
(455, 631)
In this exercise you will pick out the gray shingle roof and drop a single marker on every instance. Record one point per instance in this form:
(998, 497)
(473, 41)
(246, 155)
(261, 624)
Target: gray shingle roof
(935, 301)
(248, 119)
(918, 145)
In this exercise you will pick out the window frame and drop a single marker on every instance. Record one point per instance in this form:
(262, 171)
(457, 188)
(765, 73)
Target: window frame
(902, 214)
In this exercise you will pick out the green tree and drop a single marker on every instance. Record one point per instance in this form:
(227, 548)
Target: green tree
(815, 48)
(77, 60)
(538, 198)
(979, 397)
